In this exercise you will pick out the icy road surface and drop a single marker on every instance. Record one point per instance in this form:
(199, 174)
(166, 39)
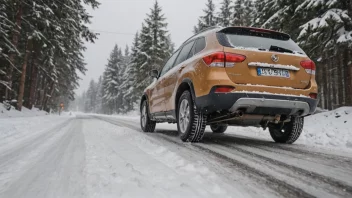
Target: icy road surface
(101, 156)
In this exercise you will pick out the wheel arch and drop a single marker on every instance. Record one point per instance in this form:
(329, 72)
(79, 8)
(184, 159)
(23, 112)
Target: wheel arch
(186, 84)
(143, 98)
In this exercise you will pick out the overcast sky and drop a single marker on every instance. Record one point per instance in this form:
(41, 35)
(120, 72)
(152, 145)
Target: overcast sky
(125, 17)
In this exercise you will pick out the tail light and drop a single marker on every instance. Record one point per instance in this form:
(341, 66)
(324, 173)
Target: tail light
(309, 66)
(225, 89)
(221, 59)
(313, 95)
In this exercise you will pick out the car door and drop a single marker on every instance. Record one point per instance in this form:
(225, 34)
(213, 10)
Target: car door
(158, 93)
(170, 80)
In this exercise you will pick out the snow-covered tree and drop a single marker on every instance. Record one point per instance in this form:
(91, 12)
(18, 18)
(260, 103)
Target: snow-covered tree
(99, 96)
(112, 81)
(43, 48)
(248, 12)
(326, 36)
(130, 85)
(209, 18)
(154, 46)
(91, 97)
(225, 16)
(243, 13)
(239, 8)
(283, 16)
(264, 9)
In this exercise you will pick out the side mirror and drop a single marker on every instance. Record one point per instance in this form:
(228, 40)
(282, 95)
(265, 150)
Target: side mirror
(154, 73)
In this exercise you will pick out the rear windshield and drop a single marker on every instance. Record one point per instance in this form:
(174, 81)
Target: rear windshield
(265, 41)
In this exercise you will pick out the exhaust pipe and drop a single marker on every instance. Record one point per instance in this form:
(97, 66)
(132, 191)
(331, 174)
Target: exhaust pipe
(239, 113)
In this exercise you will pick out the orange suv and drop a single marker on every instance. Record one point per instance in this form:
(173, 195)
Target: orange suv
(234, 76)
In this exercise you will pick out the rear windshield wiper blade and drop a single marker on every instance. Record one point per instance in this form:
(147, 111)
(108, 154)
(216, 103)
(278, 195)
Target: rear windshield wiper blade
(280, 49)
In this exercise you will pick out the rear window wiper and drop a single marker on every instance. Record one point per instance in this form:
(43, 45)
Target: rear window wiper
(280, 49)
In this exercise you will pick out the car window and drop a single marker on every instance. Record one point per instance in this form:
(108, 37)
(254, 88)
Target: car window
(200, 45)
(170, 63)
(184, 53)
(264, 40)
(197, 47)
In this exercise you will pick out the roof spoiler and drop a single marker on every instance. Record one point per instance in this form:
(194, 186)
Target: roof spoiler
(251, 31)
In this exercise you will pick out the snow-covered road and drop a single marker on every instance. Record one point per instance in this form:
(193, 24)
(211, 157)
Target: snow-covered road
(102, 156)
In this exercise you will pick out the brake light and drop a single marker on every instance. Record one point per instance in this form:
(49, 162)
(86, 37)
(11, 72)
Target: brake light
(221, 59)
(313, 95)
(231, 59)
(309, 66)
(225, 89)
(215, 60)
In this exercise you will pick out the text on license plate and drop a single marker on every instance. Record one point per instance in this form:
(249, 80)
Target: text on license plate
(273, 72)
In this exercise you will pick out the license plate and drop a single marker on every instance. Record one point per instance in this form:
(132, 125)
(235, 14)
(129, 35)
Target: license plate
(273, 72)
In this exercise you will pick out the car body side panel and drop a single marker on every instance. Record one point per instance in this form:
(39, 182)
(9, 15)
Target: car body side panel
(156, 97)
(193, 69)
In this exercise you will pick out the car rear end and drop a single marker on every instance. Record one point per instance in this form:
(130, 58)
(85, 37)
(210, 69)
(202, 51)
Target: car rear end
(267, 74)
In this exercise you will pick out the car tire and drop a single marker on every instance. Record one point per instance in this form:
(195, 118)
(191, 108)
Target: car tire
(218, 128)
(191, 122)
(147, 124)
(289, 133)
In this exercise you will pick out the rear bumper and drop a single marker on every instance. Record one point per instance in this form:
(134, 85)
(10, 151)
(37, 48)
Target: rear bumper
(256, 103)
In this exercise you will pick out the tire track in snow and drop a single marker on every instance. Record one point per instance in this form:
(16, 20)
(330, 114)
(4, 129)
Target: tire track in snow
(55, 172)
(277, 185)
(331, 184)
(9, 155)
(272, 145)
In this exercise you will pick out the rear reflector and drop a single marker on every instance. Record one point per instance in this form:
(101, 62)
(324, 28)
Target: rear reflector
(313, 95)
(221, 59)
(224, 89)
(309, 66)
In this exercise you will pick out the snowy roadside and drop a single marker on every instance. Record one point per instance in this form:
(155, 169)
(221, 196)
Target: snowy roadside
(24, 113)
(12, 129)
(331, 129)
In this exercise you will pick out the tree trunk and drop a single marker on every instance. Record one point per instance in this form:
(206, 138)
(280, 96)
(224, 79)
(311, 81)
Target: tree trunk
(47, 97)
(15, 35)
(325, 84)
(347, 77)
(340, 80)
(23, 74)
(34, 79)
(319, 82)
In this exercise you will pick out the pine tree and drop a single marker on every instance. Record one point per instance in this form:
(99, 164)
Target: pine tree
(248, 12)
(239, 8)
(283, 16)
(45, 41)
(124, 74)
(131, 83)
(112, 80)
(264, 9)
(99, 96)
(91, 97)
(154, 46)
(226, 13)
(327, 36)
(208, 19)
(243, 13)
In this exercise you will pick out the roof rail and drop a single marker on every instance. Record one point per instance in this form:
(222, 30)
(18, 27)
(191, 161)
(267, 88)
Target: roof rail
(203, 30)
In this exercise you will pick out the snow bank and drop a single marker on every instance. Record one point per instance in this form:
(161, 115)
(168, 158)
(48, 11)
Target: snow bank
(24, 113)
(13, 129)
(331, 129)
